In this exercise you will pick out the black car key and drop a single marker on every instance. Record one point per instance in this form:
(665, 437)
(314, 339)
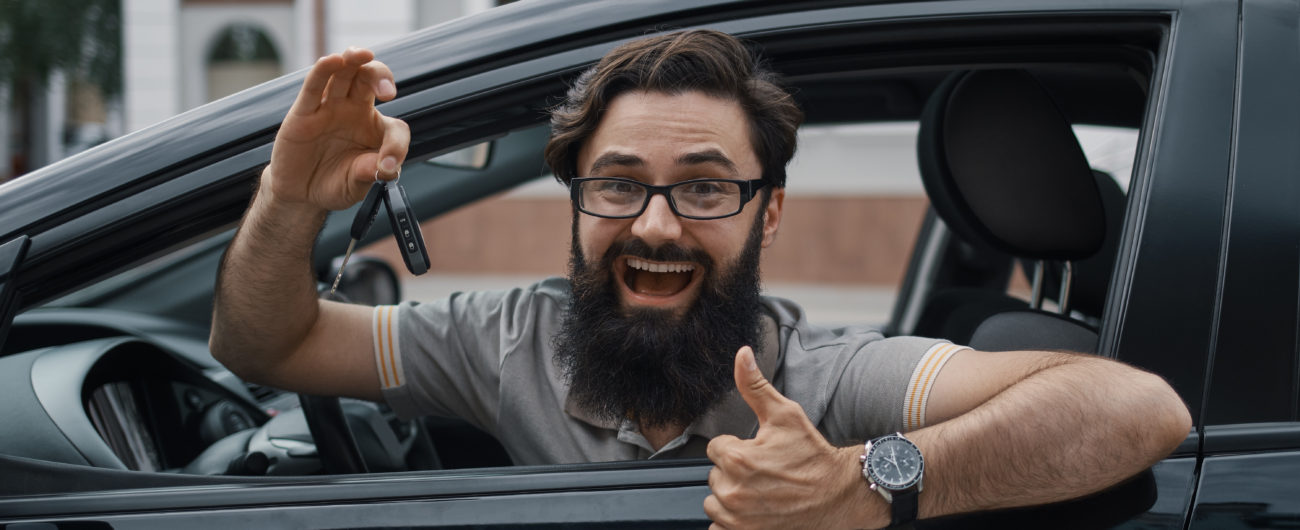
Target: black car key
(406, 227)
(361, 225)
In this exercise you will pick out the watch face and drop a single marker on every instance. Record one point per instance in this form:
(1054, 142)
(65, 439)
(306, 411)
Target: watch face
(894, 463)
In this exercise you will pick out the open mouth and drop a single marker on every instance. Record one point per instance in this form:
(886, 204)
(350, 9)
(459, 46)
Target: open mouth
(651, 281)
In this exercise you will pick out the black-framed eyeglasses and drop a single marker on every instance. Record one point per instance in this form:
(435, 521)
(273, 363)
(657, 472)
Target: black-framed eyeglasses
(620, 198)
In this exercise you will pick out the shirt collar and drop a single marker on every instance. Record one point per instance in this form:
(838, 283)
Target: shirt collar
(731, 415)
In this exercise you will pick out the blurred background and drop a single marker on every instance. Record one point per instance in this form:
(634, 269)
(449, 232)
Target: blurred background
(77, 73)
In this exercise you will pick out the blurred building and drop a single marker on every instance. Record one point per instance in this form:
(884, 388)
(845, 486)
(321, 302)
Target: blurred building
(183, 53)
(180, 54)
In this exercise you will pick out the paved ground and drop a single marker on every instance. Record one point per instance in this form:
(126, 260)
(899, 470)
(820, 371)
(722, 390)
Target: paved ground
(826, 305)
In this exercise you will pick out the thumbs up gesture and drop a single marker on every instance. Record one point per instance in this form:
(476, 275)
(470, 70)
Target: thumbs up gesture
(788, 475)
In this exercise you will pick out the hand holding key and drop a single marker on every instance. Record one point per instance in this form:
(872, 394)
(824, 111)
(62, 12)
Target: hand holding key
(406, 227)
(334, 143)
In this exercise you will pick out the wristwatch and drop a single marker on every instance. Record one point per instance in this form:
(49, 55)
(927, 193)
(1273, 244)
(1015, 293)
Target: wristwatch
(892, 466)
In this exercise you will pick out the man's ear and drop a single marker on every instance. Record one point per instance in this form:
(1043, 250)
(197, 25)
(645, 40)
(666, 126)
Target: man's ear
(772, 216)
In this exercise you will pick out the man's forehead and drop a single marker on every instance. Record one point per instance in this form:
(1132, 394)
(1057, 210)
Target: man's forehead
(691, 128)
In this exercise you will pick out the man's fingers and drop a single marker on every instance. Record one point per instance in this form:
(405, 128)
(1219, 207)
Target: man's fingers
(313, 87)
(716, 512)
(373, 81)
(341, 82)
(719, 445)
(357, 56)
(397, 139)
(761, 396)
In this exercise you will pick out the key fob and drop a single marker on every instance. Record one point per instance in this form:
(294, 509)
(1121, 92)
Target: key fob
(406, 227)
(369, 210)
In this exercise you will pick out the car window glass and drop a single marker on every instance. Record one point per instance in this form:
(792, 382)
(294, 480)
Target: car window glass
(472, 157)
(1109, 149)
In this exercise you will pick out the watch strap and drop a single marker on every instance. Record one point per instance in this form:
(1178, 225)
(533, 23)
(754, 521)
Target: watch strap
(903, 509)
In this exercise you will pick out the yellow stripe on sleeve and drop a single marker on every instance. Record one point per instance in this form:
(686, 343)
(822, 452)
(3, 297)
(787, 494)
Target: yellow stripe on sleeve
(377, 329)
(388, 360)
(923, 377)
(392, 346)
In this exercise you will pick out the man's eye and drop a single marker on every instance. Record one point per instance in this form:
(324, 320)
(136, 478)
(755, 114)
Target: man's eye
(614, 186)
(703, 188)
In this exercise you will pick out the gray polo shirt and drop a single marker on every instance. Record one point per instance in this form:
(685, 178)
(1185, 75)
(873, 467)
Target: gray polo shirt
(486, 357)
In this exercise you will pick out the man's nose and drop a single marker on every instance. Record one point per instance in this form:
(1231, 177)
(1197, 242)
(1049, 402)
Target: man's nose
(657, 224)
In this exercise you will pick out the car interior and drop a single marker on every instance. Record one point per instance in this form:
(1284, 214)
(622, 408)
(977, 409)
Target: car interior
(121, 380)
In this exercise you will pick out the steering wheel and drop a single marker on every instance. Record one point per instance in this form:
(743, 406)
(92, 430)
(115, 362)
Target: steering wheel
(353, 436)
(338, 449)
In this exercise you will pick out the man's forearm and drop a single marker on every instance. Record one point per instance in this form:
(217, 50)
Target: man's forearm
(265, 301)
(1066, 430)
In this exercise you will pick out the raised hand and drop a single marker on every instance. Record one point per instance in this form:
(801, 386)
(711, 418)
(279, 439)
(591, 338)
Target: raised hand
(788, 475)
(333, 140)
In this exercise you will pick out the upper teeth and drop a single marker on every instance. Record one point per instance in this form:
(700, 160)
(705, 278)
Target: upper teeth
(659, 267)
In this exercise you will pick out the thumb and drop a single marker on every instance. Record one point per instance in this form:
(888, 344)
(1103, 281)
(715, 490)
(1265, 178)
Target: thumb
(761, 396)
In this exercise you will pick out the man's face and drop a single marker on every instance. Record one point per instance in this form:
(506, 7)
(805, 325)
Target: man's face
(662, 139)
(661, 304)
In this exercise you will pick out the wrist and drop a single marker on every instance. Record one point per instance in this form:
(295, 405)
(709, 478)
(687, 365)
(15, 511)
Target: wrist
(868, 509)
(282, 206)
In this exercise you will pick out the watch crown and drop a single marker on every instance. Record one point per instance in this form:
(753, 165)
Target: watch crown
(872, 486)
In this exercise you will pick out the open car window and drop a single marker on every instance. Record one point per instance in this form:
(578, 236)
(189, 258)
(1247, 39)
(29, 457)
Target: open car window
(852, 249)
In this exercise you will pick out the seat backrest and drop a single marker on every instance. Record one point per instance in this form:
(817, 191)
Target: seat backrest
(1033, 330)
(1003, 169)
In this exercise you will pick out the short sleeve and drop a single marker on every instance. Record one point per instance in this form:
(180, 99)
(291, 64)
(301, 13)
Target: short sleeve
(885, 387)
(444, 358)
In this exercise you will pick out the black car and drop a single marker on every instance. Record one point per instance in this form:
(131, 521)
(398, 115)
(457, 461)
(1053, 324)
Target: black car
(114, 415)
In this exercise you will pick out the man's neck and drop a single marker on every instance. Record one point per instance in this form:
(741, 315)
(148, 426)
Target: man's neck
(661, 435)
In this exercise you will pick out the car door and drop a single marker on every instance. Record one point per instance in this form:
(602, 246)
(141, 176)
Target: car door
(1183, 166)
(1252, 425)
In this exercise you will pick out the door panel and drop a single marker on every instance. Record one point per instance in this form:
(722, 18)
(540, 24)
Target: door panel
(1163, 289)
(1259, 490)
(1254, 377)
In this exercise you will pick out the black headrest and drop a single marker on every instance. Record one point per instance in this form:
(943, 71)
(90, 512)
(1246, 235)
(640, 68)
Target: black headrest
(1092, 276)
(1002, 167)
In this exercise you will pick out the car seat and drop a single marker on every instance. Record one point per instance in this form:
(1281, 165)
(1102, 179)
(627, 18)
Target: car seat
(1003, 170)
(1087, 295)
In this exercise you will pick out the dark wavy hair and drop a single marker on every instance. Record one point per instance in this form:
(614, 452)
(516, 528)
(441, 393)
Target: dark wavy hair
(707, 61)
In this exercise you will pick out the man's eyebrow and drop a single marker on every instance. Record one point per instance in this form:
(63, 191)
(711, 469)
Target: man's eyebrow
(708, 156)
(615, 159)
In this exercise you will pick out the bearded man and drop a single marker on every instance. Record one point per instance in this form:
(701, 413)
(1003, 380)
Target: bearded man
(659, 344)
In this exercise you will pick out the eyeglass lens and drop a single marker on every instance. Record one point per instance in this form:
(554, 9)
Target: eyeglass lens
(703, 198)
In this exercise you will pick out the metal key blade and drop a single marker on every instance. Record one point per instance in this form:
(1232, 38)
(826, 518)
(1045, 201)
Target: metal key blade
(361, 224)
(342, 267)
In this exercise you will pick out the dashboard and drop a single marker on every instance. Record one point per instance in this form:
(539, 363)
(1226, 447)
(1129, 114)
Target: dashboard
(116, 402)
(130, 392)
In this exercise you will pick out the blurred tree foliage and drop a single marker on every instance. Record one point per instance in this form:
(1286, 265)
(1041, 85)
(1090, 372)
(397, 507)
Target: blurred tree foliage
(81, 37)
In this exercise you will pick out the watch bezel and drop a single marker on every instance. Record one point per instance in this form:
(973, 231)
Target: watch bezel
(870, 470)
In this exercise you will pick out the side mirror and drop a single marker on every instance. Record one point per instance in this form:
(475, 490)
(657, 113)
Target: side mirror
(367, 280)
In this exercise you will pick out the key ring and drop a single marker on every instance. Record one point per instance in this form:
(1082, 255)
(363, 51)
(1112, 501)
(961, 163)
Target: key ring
(399, 174)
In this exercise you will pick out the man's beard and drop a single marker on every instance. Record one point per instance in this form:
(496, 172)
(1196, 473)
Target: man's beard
(650, 365)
